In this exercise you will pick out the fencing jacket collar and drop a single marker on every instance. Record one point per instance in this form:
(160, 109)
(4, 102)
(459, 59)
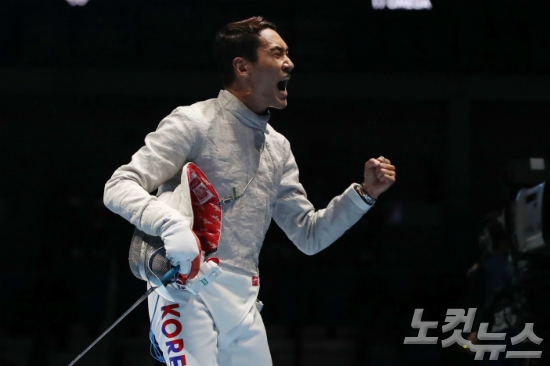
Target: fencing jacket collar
(234, 106)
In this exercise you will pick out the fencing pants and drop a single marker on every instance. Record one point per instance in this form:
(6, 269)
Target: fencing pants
(187, 335)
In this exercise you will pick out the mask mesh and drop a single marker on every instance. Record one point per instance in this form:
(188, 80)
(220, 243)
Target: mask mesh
(142, 249)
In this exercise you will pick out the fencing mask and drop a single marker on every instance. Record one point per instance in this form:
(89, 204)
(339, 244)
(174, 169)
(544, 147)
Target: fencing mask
(196, 199)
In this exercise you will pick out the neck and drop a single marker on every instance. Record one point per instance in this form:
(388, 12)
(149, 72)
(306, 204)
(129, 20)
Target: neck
(246, 97)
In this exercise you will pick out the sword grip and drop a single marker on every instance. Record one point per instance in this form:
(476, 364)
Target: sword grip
(170, 276)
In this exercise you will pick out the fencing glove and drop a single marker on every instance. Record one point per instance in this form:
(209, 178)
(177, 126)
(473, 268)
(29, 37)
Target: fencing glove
(183, 247)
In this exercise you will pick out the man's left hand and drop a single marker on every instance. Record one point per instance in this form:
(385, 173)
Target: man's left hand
(379, 176)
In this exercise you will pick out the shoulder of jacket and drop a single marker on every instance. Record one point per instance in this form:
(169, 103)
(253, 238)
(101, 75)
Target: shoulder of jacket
(276, 137)
(279, 143)
(199, 114)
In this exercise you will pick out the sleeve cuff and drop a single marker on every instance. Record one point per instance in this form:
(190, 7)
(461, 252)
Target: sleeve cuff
(354, 196)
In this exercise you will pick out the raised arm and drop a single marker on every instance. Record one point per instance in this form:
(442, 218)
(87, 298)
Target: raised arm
(312, 231)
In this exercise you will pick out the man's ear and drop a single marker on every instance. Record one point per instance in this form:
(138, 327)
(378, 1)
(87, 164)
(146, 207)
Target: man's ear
(240, 65)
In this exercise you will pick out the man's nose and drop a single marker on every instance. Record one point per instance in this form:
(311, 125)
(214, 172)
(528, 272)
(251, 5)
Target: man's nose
(288, 65)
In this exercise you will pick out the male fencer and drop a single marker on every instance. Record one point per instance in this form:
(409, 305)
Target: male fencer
(251, 173)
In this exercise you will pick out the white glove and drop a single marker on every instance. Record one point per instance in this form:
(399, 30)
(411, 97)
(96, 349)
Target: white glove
(182, 247)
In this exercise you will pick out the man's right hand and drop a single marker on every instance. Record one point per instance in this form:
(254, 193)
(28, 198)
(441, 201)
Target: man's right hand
(183, 248)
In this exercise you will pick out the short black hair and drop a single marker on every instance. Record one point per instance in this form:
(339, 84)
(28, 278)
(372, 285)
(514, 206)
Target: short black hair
(238, 39)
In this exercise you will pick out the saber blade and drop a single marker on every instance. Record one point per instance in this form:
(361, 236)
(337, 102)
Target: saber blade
(143, 297)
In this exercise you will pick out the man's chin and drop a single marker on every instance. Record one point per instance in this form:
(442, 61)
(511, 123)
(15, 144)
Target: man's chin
(281, 104)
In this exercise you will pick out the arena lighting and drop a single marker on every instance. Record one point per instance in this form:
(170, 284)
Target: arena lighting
(402, 4)
(77, 2)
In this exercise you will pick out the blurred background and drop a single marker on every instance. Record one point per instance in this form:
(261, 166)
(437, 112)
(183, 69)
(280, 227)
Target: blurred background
(455, 93)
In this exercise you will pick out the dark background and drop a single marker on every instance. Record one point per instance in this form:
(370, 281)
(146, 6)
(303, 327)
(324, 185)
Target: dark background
(450, 95)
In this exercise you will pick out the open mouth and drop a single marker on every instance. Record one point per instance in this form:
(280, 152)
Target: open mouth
(281, 85)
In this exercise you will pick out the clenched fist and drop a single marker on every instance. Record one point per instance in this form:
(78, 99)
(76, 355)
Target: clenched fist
(379, 176)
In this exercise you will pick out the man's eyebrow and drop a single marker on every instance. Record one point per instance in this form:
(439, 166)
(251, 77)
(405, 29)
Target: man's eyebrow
(278, 48)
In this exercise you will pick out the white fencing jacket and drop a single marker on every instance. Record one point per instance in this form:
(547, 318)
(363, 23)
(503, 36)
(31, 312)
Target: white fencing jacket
(232, 146)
